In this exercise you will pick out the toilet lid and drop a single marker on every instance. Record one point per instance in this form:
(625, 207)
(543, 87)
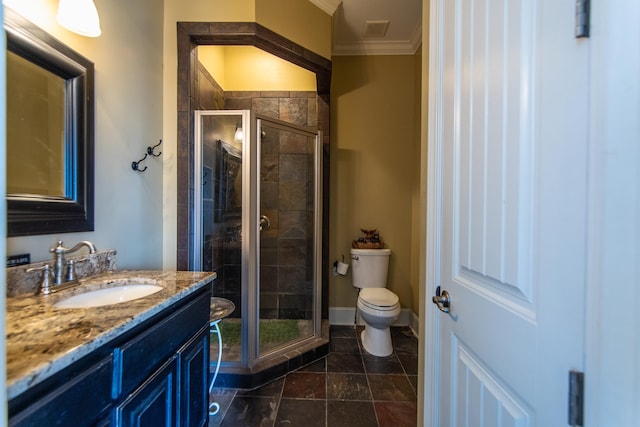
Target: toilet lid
(381, 297)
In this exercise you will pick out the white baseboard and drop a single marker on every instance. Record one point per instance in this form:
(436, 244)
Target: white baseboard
(341, 316)
(344, 316)
(415, 324)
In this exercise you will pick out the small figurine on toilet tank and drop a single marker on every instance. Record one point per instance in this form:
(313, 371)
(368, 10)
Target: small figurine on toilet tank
(371, 240)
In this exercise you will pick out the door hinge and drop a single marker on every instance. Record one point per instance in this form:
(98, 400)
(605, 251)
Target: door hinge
(583, 12)
(576, 398)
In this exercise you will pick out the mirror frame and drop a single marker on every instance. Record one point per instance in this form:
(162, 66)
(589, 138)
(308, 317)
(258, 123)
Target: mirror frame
(33, 214)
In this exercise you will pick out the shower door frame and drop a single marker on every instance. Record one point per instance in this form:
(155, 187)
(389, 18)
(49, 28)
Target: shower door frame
(317, 222)
(250, 266)
(246, 243)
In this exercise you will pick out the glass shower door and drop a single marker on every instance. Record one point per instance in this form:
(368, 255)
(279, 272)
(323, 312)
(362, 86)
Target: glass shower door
(222, 159)
(288, 216)
(257, 210)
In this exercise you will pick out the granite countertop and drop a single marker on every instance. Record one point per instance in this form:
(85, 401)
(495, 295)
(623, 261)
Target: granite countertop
(42, 339)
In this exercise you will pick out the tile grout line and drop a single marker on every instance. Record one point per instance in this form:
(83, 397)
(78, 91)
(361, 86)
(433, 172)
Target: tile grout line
(326, 390)
(361, 353)
(366, 375)
(275, 419)
(222, 414)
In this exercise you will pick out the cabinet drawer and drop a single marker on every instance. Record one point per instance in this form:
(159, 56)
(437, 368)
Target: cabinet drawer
(78, 403)
(135, 360)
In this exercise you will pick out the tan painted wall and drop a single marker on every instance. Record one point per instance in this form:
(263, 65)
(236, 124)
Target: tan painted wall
(247, 68)
(308, 26)
(208, 11)
(128, 118)
(176, 11)
(213, 59)
(416, 200)
(299, 21)
(375, 166)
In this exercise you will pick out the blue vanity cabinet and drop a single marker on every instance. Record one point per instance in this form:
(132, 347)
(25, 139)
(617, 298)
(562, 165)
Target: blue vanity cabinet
(154, 375)
(176, 394)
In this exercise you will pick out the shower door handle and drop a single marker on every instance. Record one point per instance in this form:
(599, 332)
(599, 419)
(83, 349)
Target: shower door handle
(265, 224)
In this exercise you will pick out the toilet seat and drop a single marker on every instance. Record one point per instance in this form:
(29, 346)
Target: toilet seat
(380, 299)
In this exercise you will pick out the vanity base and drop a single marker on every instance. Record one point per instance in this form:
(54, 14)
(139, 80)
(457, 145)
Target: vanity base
(154, 374)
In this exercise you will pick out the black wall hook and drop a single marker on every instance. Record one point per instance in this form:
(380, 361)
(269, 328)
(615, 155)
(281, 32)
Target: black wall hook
(150, 150)
(136, 165)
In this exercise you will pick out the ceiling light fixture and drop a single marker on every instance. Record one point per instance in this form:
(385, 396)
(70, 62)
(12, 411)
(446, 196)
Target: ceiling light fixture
(79, 16)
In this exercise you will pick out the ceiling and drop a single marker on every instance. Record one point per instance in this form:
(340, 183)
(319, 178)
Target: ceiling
(374, 27)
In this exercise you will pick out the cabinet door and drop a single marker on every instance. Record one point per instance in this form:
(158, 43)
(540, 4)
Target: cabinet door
(78, 402)
(138, 358)
(154, 403)
(194, 371)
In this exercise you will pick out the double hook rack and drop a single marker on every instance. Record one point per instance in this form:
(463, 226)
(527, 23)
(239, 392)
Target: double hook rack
(151, 151)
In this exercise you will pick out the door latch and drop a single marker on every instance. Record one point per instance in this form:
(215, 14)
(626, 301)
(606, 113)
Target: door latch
(442, 300)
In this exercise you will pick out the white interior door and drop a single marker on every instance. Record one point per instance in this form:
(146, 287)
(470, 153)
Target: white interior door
(507, 211)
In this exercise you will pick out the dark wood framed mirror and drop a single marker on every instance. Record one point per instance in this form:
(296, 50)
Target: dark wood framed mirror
(50, 133)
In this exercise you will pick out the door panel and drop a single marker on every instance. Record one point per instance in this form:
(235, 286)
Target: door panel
(486, 192)
(492, 185)
(485, 399)
(508, 130)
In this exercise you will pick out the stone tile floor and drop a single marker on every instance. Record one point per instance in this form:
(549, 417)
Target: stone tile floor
(348, 387)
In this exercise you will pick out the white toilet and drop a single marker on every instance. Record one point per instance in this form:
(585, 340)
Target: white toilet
(378, 306)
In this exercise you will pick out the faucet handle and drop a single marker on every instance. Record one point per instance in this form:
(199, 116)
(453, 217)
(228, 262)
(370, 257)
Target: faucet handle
(71, 271)
(44, 287)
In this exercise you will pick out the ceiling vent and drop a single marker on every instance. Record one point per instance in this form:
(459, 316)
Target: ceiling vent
(375, 28)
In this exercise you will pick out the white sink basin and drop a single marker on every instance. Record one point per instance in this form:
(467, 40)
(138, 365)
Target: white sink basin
(108, 296)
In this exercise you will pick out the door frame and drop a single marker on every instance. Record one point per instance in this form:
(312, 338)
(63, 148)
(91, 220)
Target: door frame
(612, 112)
(430, 173)
(612, 372)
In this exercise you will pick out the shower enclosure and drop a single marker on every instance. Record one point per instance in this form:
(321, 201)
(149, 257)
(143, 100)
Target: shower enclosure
(257, 216)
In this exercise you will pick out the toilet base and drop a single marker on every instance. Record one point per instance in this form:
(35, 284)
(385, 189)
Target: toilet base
(377, 341)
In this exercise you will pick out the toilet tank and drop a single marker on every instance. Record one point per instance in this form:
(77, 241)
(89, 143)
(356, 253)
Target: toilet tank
(369, 267)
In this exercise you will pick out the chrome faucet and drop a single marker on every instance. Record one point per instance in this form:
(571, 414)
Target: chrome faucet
(58, 260)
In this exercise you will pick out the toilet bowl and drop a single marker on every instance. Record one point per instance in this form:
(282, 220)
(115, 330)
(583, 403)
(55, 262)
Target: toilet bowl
(378, 308)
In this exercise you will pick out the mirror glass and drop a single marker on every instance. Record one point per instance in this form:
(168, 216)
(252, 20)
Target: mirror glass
(35, 154)
(50, 128)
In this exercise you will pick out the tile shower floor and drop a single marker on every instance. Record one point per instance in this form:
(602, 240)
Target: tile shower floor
(348, 387)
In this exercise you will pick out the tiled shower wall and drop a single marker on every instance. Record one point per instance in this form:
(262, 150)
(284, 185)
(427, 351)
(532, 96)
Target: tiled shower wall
(286, 198)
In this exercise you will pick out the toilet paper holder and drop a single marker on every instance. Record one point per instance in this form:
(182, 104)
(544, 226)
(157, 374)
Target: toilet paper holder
(340, 267)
